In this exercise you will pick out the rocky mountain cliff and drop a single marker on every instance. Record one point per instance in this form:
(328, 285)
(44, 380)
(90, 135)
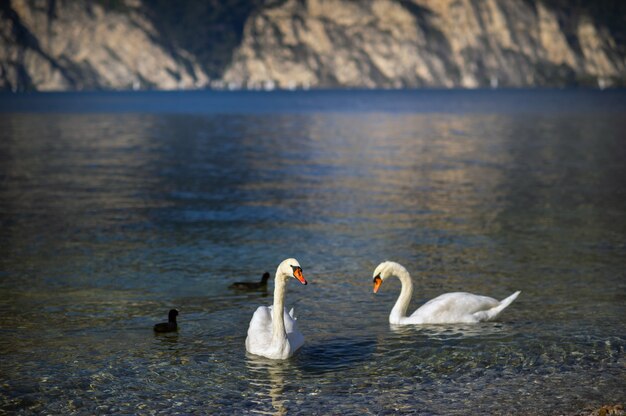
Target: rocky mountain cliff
(135, 44)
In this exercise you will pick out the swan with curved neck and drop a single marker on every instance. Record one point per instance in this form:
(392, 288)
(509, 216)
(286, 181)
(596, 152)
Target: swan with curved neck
(273, 332)
(449, 308)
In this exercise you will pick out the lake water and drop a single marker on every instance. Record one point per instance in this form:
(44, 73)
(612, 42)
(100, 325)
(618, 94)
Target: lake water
(116, 207)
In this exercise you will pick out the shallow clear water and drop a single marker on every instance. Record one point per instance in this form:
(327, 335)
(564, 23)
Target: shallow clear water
(116, 207)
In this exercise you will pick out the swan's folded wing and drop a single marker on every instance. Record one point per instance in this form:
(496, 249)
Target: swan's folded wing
(492, 313)
(262, 317)
(291, 324)
(260, 329)
(296, 339)
(456, 306)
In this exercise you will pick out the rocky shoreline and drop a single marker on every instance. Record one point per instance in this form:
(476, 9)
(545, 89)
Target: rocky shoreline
(128, 44)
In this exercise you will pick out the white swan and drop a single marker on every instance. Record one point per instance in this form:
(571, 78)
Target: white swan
(449, 308)
(273, 332)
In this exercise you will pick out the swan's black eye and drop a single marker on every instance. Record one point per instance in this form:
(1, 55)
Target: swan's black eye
(296, 268)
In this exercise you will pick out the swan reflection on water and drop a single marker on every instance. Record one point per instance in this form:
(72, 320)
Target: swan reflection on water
(267, 379)
(452, 331)
(270, 378)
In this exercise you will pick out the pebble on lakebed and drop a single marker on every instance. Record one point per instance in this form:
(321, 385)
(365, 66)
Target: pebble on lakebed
(609, 410)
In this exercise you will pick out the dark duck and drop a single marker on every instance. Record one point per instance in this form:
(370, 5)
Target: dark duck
(252, 285)
(170, 325)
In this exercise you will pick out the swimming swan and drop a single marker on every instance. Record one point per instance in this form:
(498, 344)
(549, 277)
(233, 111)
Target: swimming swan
(449, 308)
(273, 332)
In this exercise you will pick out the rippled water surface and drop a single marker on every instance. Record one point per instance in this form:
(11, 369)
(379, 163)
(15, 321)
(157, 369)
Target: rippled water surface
(115, 208)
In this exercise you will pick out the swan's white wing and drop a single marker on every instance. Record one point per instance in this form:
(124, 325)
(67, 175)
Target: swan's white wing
(455, 307)
(296, 340)
(291, 324)
(488, 315)
(260, 330)
(295, 337)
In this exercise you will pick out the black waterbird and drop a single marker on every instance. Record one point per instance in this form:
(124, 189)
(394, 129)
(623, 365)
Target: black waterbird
(170, 325)
(252, 285)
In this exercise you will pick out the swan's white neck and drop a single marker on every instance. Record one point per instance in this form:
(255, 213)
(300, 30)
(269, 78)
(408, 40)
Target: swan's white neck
(278, 319)
(402, 304)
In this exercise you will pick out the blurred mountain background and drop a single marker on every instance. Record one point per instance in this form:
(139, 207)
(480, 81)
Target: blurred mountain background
(265, 44)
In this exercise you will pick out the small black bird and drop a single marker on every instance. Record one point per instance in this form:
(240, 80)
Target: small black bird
(252, 285)
(169, 326)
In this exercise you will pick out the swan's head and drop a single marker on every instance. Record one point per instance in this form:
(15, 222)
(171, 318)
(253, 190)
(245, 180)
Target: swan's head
(384, 270)
(291, 268)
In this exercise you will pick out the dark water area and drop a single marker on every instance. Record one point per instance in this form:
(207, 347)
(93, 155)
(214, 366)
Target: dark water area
(116, 207)
(515, 101)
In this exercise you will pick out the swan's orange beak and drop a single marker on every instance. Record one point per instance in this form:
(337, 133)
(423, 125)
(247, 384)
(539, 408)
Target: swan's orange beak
(297, 273)
(377, 282)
